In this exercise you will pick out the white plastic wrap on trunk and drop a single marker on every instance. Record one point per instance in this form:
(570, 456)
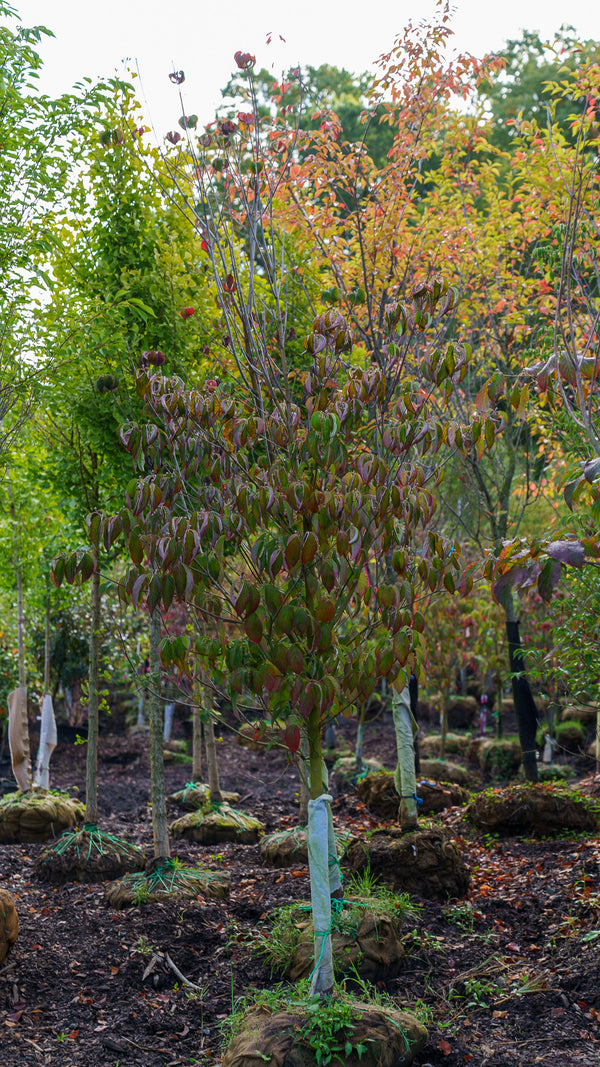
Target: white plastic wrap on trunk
(141, 721)
(319, 821)
(404, 777)
(358, 751)
(335, 877)
(18, 737)
(41, 778)
(168, 724)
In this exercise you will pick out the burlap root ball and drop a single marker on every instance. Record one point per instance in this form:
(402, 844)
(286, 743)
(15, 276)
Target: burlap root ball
(390, 1039)
(286, 848)
(375, 952)
(88, 855)
(533, 809)
(378, 792)
(454, 744)
(165, 881)
(196, 795)
(212, 826)
(37, 816)
(9, 923)
(441, 770)
(424, 863)
(345, 774)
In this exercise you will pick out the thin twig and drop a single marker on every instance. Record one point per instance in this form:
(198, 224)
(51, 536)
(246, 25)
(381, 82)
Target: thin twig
(182, 978)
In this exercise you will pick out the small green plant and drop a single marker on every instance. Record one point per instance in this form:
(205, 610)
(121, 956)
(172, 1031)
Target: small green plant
(479, 992)
(141, 894)
(460, 915)
(420, 939)
(144, 948)
(60, 1037)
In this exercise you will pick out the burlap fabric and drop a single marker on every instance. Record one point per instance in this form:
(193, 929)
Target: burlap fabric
(216, 825)
(379, 793)
(88, 855)
(424, 863)
(375, 952)
(390, 1039)
(163, 881)
(9, 923)
(196, 795)
(37, 816)
(532, 809)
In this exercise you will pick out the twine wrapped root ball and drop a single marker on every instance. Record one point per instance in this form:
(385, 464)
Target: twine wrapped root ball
(195, 796)
(540, 809)
(37, 816)
(377, 1037)
(166, 880)
(9, 923)
(286, 848)
(88, 855)
(378, 792)
(372, 950)
(424, 863)
(222, 823)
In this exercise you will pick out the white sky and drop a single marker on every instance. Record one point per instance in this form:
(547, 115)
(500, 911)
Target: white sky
(200, 37)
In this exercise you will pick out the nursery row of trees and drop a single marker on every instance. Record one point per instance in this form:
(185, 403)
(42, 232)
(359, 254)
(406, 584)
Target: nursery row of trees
(425, 227)
(309, 377)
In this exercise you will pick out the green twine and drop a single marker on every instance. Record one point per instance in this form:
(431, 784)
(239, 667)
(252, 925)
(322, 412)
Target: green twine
(282, 835)
(96, 838)
(193, 787)
(158, 877)
(237, 817)
(337, 906)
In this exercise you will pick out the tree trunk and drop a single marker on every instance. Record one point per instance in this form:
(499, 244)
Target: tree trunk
(304, 775)
(360, 737)
(19, 586)
(325, 880)
(196, 738)
(444, 721)
(499, 691)
(47, 645)
(404, 778)
(413, 689)
(525, 708)
(91, 769)
(212, 765)
(157, 767)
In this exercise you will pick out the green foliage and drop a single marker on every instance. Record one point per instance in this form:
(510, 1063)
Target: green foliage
(522, 91)
(313, 95)
(278, 943)
(40, 143)
(328, 1022)
(569, 734)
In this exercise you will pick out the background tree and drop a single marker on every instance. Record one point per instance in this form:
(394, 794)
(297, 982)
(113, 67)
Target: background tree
(522, 90)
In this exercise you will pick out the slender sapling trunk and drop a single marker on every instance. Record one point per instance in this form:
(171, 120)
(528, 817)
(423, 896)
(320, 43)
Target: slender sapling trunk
(405, 778)
(91, 770)
(157, 766)
(197, 737)
(212, 765)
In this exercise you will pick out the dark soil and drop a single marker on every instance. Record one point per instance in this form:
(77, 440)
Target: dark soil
(509, 980)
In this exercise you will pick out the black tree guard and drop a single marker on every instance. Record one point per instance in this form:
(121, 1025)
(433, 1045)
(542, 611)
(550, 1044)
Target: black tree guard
(525, 708)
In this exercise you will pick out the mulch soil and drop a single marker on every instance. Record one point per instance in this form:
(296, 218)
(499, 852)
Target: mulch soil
(512, 979)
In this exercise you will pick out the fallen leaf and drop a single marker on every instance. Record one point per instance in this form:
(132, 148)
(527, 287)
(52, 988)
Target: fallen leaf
(445, 1047)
